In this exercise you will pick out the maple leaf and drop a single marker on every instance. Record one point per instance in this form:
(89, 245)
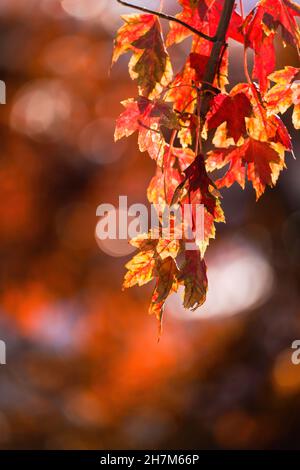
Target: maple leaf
(263, 46)
(230, 109)
(153, 65)
(140, 269)
(150, 63)
(192, 273)
(260, 27)
(147, 117)
(285, 93)
(197, 188)
(143, 267)
(155, 260)
(166, 273)
(135, 26)
(258, 160)
(262, 126)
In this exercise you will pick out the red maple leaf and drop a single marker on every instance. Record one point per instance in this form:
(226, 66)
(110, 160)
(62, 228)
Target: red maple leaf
(150, 63)
(263, 126)
(260, 27)
(193, 275)
(195, 189)
(135, 26)
(230, 109)
(145, 116)
(258, 160)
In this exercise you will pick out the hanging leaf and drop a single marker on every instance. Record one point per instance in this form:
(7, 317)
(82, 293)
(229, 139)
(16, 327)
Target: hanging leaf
(150, 63)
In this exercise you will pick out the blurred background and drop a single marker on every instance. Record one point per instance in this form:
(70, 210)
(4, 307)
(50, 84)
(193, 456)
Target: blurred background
(84, 370)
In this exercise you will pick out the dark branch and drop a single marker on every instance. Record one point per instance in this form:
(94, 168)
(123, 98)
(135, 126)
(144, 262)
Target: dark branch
(217, 50)
(169, 18)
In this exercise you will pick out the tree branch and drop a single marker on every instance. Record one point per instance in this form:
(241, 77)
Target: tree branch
(169, 18)
(212, 65)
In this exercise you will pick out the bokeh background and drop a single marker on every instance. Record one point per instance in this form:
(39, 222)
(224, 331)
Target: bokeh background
(84, 370)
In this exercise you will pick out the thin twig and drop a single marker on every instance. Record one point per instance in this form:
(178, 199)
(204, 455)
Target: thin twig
(198, 144)
(242, 9)
(171, 145)
(169, 18)
(246, 69)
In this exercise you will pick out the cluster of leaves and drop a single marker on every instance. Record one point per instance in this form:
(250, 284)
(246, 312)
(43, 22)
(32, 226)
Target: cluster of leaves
(192, 125)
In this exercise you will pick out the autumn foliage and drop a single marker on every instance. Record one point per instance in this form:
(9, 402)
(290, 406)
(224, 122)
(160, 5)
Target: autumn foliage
(193, 123)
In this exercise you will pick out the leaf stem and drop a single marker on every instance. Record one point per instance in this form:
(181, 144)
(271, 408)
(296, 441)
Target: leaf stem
(242, 9)
(164, 16)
